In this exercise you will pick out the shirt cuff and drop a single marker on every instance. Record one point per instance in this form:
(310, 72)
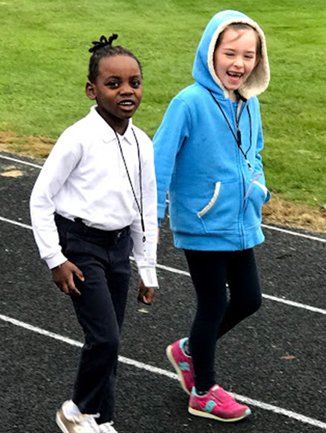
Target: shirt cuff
(148, 275)
(55, 261)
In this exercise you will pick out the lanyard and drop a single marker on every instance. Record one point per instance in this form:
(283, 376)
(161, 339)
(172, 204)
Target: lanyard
(237, 135)
(138, 203)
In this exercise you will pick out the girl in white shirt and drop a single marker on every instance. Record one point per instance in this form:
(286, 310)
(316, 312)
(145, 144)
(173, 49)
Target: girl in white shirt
(93, 204)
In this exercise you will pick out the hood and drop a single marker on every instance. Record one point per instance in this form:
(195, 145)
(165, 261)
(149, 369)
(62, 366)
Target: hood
(203, 68)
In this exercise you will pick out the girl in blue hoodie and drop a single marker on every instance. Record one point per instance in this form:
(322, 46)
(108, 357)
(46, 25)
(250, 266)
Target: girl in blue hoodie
(207, 157)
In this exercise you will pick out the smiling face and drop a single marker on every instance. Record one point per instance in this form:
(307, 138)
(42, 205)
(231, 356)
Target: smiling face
(117, 90)
(236, 57)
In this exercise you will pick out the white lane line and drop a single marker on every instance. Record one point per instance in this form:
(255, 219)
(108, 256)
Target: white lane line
(19, 161)
(180, 272)
(289, 232)
(270, 297)
(295, 304)
(15, 223)
(159, 371)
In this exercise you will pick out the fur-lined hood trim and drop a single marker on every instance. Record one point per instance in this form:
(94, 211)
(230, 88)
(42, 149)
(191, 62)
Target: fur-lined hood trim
(203, 68)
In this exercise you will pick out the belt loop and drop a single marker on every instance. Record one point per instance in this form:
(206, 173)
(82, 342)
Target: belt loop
(81, 225)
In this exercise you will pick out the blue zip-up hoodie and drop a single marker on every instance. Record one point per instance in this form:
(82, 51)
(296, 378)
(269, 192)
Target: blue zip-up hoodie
(216, 187)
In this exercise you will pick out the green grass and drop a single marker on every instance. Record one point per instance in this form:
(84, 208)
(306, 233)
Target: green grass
(44, 58)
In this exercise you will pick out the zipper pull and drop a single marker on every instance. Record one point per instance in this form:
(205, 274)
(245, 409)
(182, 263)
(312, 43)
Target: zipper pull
(249, 165)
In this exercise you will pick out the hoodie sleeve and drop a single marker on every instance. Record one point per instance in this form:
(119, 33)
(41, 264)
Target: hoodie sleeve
(168, 139)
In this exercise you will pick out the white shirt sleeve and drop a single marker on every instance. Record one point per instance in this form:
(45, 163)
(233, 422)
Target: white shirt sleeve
(144, 252)
(84, 176)
(56, 169)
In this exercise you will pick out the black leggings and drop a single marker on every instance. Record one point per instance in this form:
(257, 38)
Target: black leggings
(217, 311)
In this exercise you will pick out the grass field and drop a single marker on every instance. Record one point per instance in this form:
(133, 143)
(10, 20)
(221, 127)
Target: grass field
(44, 58)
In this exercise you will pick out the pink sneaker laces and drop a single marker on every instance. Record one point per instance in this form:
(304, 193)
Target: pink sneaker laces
(223, 397)
(217, 404)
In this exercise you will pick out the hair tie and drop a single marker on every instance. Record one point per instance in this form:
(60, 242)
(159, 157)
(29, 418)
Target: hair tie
(103, 42)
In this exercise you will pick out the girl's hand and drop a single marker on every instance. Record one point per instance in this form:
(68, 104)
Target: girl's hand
(145, 294)
(63, 277)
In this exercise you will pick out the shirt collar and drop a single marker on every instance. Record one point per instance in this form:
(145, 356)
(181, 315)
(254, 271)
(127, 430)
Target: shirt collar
(105, 130)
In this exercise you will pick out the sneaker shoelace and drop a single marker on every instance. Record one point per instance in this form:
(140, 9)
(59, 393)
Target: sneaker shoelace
(87, 421)
(107, 428)
(224, 397)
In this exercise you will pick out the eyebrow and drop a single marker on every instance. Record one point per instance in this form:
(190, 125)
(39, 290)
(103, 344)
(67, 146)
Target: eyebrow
(233, 50)
(119, 76)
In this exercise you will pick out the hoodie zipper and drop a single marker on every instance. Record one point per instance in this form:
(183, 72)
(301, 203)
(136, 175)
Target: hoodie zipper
(237, 134)
(238, 113)
(237, 137)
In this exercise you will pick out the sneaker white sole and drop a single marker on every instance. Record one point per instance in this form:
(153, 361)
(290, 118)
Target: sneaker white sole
(217, 418)
(177, 369)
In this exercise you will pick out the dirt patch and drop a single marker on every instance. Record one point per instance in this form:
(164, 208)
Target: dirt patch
(278, 211)
(292, 215)
(35, 147)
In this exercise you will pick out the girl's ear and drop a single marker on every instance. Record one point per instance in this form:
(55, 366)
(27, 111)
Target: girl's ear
(90, 90)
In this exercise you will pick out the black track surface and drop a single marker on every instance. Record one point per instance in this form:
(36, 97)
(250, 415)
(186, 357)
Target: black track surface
(276, 357)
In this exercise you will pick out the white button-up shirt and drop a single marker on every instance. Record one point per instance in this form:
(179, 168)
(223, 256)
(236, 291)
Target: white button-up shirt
(85, 177)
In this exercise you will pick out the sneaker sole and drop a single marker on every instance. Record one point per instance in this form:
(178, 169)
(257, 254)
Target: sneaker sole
(217, 418)
(177, 369)
(60, 424)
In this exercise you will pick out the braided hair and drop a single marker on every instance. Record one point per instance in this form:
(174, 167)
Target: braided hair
(104, 48)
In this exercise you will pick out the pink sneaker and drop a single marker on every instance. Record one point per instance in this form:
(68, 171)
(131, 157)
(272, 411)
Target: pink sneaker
(217, 404)
(182, 364)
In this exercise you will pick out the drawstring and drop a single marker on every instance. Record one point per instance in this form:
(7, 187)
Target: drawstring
(236, 136)
(138, 203)
(250, 122)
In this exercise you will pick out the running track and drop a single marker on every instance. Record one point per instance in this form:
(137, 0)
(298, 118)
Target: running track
(274, 361)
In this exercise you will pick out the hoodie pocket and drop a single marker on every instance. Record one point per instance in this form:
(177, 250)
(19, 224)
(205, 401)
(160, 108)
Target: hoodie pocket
(256, 196)
(221, 212)
(212, 201)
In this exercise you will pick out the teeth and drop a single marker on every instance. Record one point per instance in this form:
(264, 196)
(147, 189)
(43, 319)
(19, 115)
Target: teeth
(126, 103)
(235, 74)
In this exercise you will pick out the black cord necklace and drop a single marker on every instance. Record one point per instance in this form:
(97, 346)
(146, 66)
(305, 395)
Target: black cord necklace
(138, 203)
(237, 135)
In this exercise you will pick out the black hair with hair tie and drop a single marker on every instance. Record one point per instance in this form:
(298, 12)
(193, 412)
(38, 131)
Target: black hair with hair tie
(104, 48)
(103, 42)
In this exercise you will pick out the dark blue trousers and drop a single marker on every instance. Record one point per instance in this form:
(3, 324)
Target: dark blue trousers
(219, 309)
(103, 257)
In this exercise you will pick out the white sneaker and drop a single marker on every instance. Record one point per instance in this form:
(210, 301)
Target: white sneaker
(78, 424)
(107, 427)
